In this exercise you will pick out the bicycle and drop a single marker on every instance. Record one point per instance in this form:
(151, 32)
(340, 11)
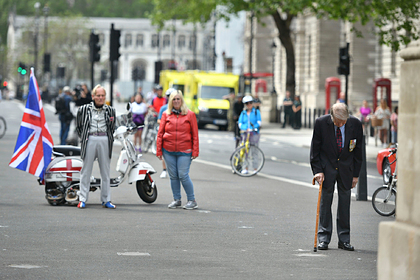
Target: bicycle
(3, 127)
(384, 198)
(247, 155)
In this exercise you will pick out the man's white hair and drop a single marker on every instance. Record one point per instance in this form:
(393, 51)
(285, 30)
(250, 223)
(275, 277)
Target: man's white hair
(340, 111)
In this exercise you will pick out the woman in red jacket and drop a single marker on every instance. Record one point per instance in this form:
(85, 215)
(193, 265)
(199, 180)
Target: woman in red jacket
(177, 142)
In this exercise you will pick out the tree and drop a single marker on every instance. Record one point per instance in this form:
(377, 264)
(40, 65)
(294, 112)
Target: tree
(393, 18)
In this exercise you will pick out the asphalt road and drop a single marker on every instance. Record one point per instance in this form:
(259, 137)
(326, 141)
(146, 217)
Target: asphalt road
(260, 227)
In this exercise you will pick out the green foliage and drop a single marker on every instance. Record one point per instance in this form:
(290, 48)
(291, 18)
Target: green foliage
(86, 8)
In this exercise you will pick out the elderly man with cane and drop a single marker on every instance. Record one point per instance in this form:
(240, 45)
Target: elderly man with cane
(336, 157)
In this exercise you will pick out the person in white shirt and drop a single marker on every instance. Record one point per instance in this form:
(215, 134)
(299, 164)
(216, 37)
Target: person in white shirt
(139, 110)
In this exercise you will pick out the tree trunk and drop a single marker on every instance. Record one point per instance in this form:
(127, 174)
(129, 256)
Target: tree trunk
(283, 26)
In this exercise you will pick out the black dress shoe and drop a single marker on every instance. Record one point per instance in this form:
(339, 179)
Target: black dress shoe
(323, 246)
(345, 246)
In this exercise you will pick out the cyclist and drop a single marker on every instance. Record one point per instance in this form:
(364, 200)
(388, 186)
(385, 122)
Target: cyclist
(250, 122)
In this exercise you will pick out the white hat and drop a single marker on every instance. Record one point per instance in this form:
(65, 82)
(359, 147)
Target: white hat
(247, 99)
(66, 89)
(169, 91)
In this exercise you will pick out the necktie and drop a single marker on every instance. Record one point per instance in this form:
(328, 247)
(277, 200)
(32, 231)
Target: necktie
(339, 139)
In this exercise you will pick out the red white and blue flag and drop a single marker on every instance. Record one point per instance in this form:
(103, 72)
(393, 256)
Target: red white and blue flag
(34, 143)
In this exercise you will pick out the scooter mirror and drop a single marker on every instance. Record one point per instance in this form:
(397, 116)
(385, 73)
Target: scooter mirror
(128, 106)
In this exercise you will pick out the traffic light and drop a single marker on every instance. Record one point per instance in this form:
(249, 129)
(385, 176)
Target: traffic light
(104, 74)
(94, 47)
(22, 69)
(135, 74)
(158, 68)
(141, 74)
(115, 44)
(47, 62)
(344, 61)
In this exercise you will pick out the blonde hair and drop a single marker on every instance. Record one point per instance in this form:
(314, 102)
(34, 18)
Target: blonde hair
(96, 88)
(184, 108)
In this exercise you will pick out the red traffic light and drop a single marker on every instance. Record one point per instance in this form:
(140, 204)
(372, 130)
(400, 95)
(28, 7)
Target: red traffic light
(5, 84)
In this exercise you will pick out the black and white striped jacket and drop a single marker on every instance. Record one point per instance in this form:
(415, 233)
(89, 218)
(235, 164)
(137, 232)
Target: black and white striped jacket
(83, 118)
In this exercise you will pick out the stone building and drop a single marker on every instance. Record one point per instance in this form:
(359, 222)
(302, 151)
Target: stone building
(189, 46)
(317, 44)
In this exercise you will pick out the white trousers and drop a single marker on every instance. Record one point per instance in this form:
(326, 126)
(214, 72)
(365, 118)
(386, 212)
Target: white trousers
(97, 147)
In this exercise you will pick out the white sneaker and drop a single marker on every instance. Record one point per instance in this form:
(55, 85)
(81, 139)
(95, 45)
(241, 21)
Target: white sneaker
(244, 171)
(163, 174)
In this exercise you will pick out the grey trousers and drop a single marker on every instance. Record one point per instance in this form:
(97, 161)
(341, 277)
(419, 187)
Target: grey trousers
(97, 147)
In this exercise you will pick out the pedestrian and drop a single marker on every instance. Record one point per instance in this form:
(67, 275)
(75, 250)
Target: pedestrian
(297, 112)
(83, 95)
(336, 157)
(365, 111)
(151, 95)
(384, 113)
(394, 126)
(177, 142)
(163, 109)
(159, 100)
(287, 106)
(341, 98)
(231, 98)
(95, 124)
(64, 113)
(250, 122)
(139, 111)
(238, 107)
(257, 101)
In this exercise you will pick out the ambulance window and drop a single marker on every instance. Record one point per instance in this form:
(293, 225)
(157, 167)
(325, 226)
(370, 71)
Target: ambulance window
(215, 92)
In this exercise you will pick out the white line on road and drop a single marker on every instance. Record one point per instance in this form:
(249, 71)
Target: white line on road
(133, 254)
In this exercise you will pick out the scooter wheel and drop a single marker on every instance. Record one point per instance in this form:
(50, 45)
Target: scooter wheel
(147, 190)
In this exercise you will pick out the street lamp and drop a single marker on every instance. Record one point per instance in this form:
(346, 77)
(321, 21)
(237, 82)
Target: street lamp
(36, 6)
(273, 54)
(46, 10)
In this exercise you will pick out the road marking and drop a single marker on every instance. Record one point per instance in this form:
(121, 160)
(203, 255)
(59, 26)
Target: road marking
(245, 227)
(26, 266)
(131, 254)
(310, 255)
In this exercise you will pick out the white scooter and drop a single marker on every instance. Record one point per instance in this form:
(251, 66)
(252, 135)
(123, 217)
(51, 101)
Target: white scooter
(62, 176)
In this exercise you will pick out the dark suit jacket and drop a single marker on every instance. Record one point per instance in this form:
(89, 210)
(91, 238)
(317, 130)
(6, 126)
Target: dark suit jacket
(325, 157)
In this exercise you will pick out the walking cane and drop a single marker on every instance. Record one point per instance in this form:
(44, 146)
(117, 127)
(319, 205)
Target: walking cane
(317, 214)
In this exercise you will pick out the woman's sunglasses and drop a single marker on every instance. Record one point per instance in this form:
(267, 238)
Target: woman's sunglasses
(246, 103)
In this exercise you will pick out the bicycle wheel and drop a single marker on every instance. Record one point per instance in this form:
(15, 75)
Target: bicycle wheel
(384, 202)
(3, 127)
(245, 162)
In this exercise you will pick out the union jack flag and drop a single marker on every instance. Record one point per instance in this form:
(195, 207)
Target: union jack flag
(34, 143)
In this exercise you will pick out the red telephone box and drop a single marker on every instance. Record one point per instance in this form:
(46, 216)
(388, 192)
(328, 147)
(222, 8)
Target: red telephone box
(332, 92)
(379, 86)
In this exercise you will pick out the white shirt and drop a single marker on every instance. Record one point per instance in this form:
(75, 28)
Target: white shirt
(138, 109)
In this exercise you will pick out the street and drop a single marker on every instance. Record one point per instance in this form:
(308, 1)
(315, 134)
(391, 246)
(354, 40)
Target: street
(260, 227)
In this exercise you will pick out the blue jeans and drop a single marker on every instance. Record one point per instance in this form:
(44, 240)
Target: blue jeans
(64, 132)
(178, 169)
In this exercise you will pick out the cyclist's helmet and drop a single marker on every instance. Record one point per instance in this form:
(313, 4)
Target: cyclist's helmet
(247, 99)
(169, 91)
(158, 87)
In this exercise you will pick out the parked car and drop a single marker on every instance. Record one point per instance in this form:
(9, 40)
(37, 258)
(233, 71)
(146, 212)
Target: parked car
(383, 163)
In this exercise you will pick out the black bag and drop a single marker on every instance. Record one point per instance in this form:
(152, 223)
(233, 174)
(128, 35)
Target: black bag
(60, 105)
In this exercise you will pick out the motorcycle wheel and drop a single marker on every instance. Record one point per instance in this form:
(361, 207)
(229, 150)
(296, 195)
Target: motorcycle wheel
(146, 191)
(54, 195)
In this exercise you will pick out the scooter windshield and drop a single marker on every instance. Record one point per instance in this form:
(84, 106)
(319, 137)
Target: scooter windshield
(124, 120)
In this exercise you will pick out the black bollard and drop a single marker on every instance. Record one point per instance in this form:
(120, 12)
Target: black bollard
(362, 184)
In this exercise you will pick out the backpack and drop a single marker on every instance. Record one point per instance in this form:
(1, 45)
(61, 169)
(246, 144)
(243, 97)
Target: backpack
(60, 105)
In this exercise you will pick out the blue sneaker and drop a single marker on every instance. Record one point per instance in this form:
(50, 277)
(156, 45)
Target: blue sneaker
(108, 205)
(81, 205)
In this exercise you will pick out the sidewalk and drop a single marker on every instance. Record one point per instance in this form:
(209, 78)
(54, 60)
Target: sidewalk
(299, 138)
(303, 137)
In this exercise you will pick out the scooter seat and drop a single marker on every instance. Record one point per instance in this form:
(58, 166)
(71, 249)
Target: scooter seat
(66, 150)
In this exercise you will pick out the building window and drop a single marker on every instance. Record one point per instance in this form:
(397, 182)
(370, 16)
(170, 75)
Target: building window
(181, 41)
(166, 41)
(155, 41)
(139, 40)
(128, 40)
(192, 42)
